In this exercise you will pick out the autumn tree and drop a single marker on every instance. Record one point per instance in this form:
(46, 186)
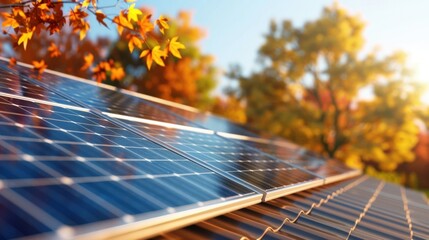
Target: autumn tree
(187, 79)
(22, 19)
(310, 86)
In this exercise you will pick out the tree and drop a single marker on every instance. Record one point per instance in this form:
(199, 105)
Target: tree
(188, 79)
(22, 19)
(309, 91)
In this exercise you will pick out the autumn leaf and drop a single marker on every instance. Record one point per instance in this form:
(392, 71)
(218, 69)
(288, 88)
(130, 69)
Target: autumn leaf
(100, 17)
(86, 3)
(10, 21)
(173, 47)
(100, 71)
(122, 22)
(145, 25)
(25, 37)
(89, 58)
(39, 66)
(43, 6)
(154, 54)
(134, 42)
(117, 73)
(53, 50)
(162, 23)
(133, 13)
(12, 62)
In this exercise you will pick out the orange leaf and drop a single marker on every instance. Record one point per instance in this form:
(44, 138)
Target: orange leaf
(39, 66)
(89, 58)
(100, 17)
(145, 25)
(53, 50)
(12, 62)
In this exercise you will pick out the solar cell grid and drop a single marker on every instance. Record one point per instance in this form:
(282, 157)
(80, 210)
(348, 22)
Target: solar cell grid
(65, 168)
(227, 157)
(299, 157)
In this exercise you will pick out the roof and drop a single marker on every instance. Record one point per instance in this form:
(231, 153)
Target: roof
(85, 160)
(360, 208)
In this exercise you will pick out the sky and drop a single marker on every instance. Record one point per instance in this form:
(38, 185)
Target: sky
(235, 28)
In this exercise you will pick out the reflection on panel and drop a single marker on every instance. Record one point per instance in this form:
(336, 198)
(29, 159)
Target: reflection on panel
(62, 168)
(108, 99)
(228, 157)
(298, 156)
(19, 84)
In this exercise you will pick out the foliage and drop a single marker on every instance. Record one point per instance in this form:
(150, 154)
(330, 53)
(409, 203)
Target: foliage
(24, 19)
(189, 78)
(230, 108)
(310, 85)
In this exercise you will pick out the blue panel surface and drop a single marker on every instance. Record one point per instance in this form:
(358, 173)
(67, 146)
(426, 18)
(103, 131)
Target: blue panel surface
(73, 168)
(229, 157)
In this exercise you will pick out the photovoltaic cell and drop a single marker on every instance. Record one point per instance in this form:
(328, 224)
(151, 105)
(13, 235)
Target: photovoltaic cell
(300, 157)
(72, 168)
(229, 157)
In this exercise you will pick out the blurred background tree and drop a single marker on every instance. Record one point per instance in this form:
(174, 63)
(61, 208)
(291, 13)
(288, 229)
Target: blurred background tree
(189, 80)
(317, 87)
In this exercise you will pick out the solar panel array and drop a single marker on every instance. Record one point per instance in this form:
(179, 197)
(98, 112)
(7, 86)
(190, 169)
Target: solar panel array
(361, 208)
(81, 159)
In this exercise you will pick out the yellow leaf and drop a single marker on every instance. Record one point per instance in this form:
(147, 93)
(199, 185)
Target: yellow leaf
(133, 13)
(25, 37)
(154, 54)
(174, 46)
(85, 3)
(134, 42)
(117, 73)
(162, 23)
(157, 53)
(43, 6)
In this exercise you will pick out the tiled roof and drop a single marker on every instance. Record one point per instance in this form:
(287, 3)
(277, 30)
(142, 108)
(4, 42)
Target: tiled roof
(360, 208)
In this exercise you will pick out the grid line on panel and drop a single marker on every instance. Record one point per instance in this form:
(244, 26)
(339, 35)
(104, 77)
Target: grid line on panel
(225, 152)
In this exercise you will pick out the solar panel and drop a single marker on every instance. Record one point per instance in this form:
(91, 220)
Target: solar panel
(330, 170)
(62, 169)
(105, 98)
(77, 158)
(232, 159)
